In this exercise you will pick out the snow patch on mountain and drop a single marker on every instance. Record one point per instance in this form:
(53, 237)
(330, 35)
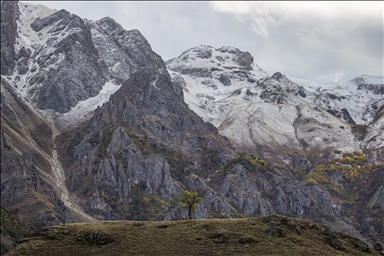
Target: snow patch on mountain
(30, 41)
(84, 109)
(27, 37)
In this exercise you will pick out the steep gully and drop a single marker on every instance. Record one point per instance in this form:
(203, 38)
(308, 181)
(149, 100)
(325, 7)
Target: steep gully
(57, 179)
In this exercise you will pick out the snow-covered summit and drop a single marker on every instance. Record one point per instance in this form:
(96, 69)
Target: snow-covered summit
(216, 72)
(254, 109)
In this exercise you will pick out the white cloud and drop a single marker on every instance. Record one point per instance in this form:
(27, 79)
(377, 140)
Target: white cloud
(332, 77)
(318, 8)
(265, 16)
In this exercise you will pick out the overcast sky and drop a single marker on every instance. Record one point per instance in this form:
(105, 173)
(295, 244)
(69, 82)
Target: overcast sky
(318, 41)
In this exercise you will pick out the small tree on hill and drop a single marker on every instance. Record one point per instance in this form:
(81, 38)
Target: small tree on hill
(189, 201)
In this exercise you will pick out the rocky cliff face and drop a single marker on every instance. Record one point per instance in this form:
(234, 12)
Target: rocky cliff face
(95, 125)
(26, 175)
(70, 41)
(9, 15)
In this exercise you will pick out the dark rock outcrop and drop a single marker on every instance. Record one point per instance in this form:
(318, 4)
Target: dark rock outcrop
(225, 80)
(275, 228)
(244, 59)
(17, 175)
(179, 86)
(342, 114)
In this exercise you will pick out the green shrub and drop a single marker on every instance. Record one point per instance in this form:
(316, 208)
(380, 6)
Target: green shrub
(251, 163)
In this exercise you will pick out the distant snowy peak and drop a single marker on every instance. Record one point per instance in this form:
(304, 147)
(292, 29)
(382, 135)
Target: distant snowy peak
(211, 74)
(254, 109)
(224, 58)
(215, 72)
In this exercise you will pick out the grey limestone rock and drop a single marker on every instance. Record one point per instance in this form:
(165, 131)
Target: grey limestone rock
(194, 182)
(218, 204)
(303, 201)
(100, 209)
(153, 171)
(241, 190)
(179, 85)
(124, 52)
(374, 88)
(149, 104)
(17, 175)
(112, 179)
(9, 16)
(195, 72)
(20, 177)
(278, 76)
(83, 149)
(378, 198)
(120, 141)
(78, 76)
(229, 49)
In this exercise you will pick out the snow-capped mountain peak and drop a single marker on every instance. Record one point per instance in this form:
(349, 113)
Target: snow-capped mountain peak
(252, 108)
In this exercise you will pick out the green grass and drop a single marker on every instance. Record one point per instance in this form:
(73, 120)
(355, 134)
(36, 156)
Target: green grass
(188, 237)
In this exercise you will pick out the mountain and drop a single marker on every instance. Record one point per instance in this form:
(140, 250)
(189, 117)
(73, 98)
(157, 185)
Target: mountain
(264, 115)
(96, 126)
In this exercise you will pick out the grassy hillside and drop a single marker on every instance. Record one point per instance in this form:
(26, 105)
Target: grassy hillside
(272, 235)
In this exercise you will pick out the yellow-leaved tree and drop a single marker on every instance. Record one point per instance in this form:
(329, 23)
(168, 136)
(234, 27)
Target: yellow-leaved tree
(189, 201)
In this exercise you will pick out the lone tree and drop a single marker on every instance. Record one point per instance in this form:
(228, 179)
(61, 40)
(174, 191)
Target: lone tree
(189, 201)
